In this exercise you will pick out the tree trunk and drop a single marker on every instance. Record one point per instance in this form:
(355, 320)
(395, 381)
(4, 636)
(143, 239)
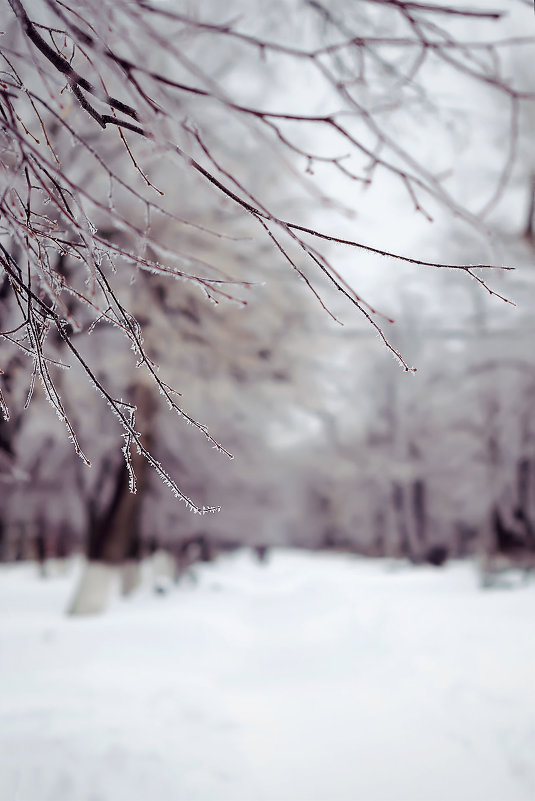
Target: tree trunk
(111, 536)
(530, 222)
(92, 594)
(162, 571)
(130, 577)
(418, 500)
(131, 570)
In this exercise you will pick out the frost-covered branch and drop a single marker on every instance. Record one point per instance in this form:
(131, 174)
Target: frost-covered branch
(137, 137)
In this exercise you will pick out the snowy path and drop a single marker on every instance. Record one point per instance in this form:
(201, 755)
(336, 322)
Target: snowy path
(312, 679)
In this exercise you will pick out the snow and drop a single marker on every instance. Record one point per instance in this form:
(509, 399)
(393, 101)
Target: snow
(310, 678)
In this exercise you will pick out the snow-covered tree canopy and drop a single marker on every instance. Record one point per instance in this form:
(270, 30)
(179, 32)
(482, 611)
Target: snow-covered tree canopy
(143, 141)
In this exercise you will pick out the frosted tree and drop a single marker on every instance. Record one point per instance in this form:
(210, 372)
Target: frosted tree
(142, 141)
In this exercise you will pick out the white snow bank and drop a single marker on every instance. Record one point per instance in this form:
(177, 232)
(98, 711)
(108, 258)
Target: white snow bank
(314, 677)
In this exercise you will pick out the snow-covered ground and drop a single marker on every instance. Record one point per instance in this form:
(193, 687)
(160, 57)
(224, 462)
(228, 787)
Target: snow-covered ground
(314, 677)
